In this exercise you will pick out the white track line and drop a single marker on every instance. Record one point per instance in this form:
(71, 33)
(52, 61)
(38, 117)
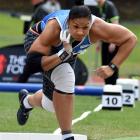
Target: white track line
(83, 116)
(98, 108)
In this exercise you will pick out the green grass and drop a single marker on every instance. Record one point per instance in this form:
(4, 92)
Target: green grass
(103, 125)
(127, 138)
(10, 30)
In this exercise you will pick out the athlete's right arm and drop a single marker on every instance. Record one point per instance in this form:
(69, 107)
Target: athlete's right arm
(48, 38)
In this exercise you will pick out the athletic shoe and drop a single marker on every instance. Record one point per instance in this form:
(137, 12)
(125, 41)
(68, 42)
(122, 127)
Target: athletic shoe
(71, 138)
(23, 113)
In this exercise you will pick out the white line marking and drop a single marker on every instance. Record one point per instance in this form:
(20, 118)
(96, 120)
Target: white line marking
(83, 116)
(98, 108)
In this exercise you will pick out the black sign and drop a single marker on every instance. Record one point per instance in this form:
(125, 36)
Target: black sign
(12, 61)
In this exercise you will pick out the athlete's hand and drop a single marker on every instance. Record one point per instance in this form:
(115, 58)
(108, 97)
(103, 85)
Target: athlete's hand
(104, 71)
(65, 36)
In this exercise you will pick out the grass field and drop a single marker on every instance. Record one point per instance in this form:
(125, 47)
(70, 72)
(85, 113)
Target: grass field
(10, 30)
(102, 125)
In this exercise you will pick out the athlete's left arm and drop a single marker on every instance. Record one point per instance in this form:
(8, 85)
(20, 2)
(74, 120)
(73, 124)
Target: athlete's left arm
(117, 34)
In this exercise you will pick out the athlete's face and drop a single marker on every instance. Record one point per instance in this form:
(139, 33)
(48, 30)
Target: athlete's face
(79, 28)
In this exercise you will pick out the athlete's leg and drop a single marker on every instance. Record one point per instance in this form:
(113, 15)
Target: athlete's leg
(27, 102)
(63, 105)
(35, 99)
(64, 81)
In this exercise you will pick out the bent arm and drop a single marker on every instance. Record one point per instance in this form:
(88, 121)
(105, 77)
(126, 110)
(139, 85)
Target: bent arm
(48, 38)
(117, 34)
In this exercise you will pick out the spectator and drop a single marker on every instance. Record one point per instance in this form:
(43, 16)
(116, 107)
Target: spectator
(45, 8)
(40, 9)
(35, 4)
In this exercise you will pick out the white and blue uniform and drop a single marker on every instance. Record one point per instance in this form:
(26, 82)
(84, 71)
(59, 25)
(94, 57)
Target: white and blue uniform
(62, 16)
(62, 77)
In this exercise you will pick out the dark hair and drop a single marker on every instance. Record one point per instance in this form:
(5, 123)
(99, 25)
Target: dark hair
(81, 11)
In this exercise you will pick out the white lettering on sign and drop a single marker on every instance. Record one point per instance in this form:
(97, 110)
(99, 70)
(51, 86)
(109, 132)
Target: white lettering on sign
(16, 64)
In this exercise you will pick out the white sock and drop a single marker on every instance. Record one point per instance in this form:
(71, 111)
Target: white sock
(26, 103)
(65, 136)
